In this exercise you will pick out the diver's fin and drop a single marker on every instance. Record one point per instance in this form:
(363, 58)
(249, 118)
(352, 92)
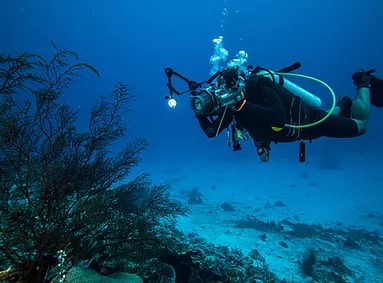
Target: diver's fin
(290, 68)
(376, 92)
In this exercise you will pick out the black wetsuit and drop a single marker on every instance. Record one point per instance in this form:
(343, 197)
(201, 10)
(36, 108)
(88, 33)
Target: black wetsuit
(270, 106)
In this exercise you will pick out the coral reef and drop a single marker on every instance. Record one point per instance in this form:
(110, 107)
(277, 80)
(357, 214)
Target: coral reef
(313, 264)
(199, 261)
(61, 189)
(308, 262)
(80, 275)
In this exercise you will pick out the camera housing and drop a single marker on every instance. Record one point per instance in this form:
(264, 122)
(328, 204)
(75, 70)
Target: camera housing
(212, 101)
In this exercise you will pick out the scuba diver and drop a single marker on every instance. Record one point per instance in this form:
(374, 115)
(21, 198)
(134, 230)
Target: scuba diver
(259, 104)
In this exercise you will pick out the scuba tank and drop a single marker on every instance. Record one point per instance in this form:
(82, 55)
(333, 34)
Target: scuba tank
(307, 97)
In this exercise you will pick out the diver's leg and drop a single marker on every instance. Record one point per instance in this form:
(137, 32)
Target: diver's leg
(360, 110)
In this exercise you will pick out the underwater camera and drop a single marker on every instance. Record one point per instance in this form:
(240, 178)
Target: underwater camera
(226, 91)
(211, 101)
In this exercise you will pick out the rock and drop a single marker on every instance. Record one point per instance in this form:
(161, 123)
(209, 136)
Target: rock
(227, 207)
(80, 275)
(279, 203)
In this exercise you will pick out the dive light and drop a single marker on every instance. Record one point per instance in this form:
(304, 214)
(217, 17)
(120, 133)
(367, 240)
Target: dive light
(172, 103)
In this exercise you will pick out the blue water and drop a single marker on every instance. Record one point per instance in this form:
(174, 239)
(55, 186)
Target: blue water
(133, 41)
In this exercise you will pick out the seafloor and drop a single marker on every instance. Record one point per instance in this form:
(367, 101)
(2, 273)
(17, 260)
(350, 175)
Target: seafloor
(282, 209)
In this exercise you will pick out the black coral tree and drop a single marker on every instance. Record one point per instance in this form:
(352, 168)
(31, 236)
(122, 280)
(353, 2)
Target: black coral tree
(61, 189)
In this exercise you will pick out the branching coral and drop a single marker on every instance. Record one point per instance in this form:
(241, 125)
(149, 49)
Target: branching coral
(59, 188)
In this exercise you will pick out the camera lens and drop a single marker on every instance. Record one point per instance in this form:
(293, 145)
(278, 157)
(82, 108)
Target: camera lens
(202, 103)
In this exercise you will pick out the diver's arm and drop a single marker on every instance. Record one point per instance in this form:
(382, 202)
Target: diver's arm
(210, 126)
